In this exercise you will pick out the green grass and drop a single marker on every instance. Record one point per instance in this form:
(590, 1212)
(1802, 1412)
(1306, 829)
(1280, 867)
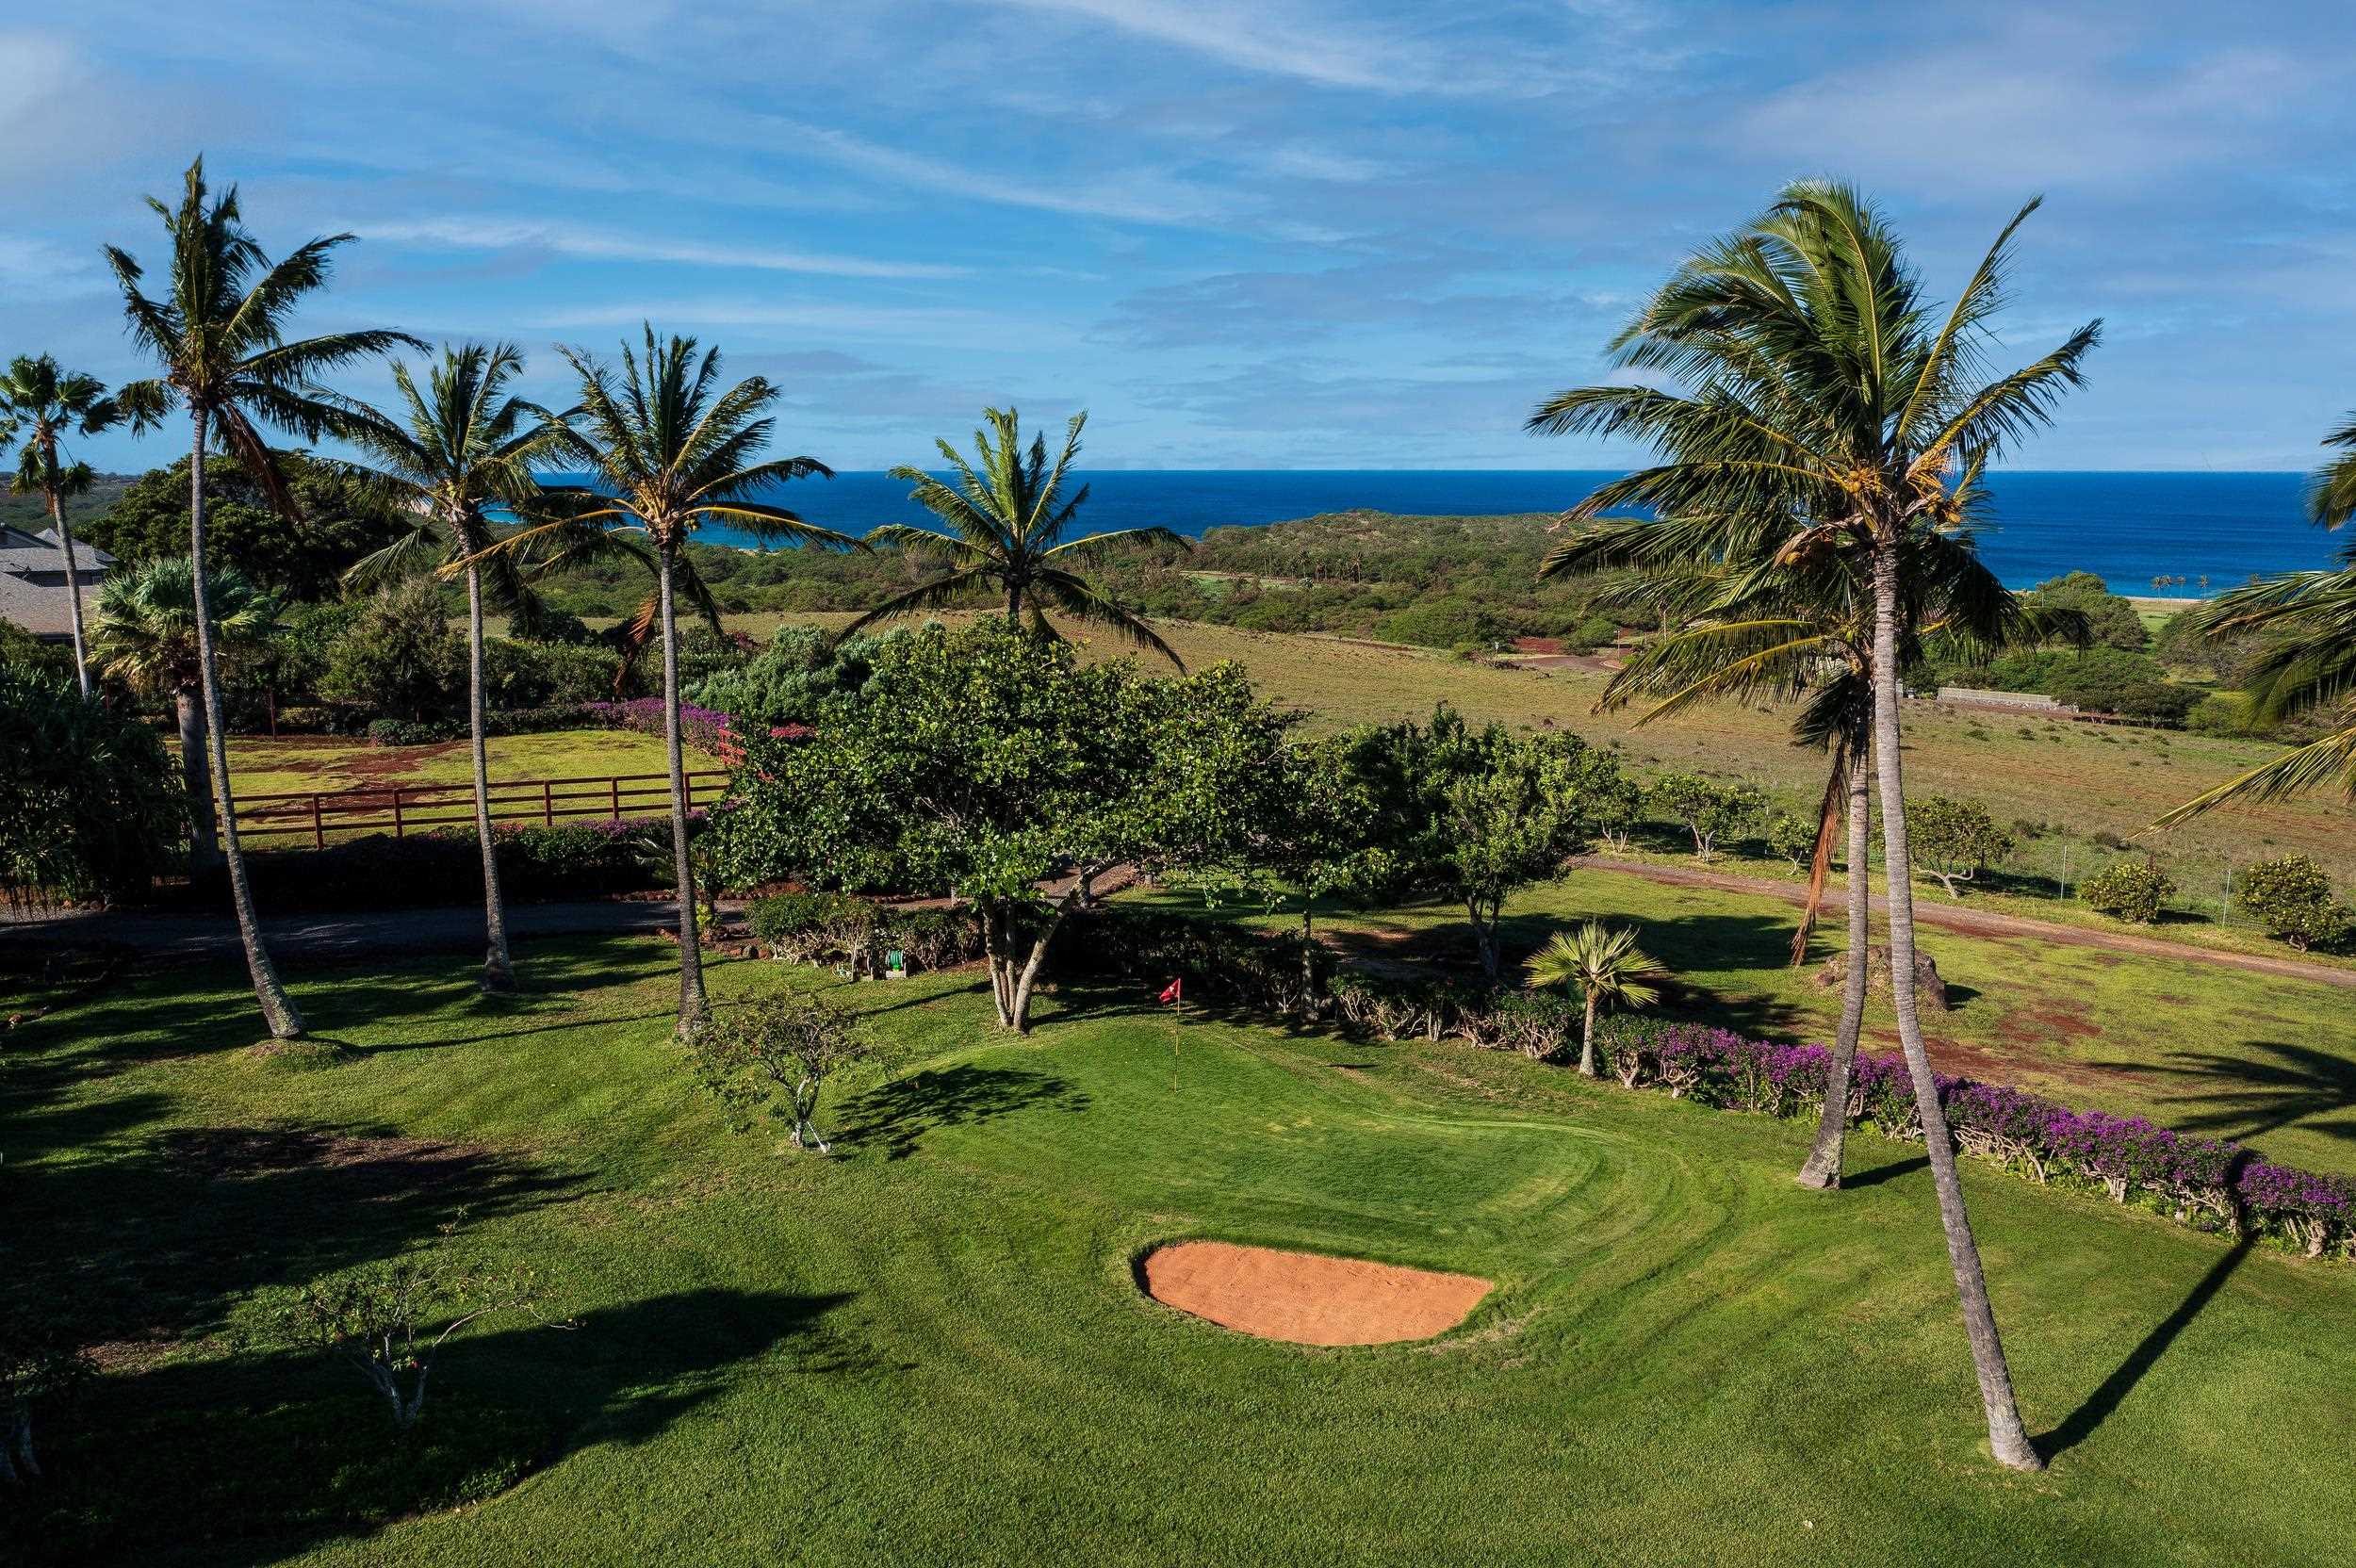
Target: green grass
(289, 763)
(2194, 1046)
(932, 1350)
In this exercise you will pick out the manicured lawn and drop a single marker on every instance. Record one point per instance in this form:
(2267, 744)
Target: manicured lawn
(2198, 1048)
(932, 1350)
(261, 765)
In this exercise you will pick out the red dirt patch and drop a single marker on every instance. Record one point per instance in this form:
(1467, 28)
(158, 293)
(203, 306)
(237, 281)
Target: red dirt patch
(1308, 1299)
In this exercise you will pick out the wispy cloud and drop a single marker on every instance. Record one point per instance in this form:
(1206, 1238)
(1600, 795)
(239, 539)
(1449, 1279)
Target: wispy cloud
(940, 327)
(597, 245)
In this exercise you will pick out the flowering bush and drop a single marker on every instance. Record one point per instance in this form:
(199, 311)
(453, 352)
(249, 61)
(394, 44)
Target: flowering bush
(697, 726)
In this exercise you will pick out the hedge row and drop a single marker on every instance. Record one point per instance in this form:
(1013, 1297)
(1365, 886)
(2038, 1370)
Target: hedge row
(445, 866)
(838, 928)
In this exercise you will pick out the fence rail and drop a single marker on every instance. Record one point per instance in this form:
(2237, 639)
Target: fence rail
(404, 808)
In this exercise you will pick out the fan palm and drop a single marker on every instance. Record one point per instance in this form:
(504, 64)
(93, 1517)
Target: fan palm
(1005, 532)
(451, 451)
(1817, 397)
(2307, 662)
(44, 404)
(218, 329)
(147, 637)
(669, 450)
(1606, 967)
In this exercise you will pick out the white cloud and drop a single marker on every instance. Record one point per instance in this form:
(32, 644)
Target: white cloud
(599, 245)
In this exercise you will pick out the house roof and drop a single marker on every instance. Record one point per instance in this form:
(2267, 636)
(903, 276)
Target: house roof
(32, 582)
(23, 552)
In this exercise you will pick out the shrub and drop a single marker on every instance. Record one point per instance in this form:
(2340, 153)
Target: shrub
(2132, 890)
(1708, 809)
(1792, 839)
(1955, 840)
(580, 859)
(399, 658)
(789, 1044)
(379, 1320)
(90, 808)
(40, 1369)
(2293, 896)
(825, 928)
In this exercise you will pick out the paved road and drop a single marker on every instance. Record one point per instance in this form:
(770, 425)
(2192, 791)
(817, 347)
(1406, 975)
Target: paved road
(1986, 922)
(188, 938)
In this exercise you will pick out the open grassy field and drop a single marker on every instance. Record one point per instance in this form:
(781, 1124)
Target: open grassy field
(2195, 1047)
(262, 766)
(932, 1348)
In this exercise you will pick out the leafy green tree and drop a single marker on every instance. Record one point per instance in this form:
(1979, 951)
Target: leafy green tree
(88, 810)
(220, 333)
(1805, 400)
(1791, 838)
(789, 1044)
(785, 682)
(1491, 811)
(2111, 621)
(2132, 890)
(1955, 838)
(448, 454)
(399, 658)
(1605, 967)
(992, 764)
(1005, 531)
(147, 637)
(1708, 809)
(669, 450)
(44, 404)
(337, 521)
(2292, 895)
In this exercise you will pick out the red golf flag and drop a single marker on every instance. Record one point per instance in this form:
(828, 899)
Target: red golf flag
(1171, 992)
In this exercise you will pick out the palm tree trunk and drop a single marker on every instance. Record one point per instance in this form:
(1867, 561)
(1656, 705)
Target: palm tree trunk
(1822, 1169)
(73, 573)
(691, 958)
(278, 1008)
(196, 777)
(1587, 1037)
(499, 971)
(1014, 604)
(2007, 1438)
(1836, 783)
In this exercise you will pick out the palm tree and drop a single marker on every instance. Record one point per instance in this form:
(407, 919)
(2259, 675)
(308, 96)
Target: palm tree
(2307, 662)
(1774, 631)
(1006, 527)
(669, 451)
(1812, 389)
(460, 447)
(220, 333)
(45, 403)
(147, 636)
(1608, 968)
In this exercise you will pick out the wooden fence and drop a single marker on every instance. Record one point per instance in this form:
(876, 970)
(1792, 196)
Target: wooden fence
(403, 808)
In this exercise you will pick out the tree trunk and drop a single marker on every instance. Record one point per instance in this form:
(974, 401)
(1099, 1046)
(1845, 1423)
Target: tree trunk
(1836, 783)
(196, 777)
(1587, 1037)
(499, 971)
(73, 573)
(1020, 1007)
(2007, 1438)
(691, 958)
(1308, 958)
(1484, 938)
(1822, 1169)
(278, 1008)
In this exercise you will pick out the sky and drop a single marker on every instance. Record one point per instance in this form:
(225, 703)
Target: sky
(1298, 234)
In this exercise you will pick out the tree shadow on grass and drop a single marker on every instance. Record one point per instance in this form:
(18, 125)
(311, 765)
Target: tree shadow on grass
(164, 1462)
(1853, 1179)
(895, 1117)
(2264, 1087)
(2097, 1406)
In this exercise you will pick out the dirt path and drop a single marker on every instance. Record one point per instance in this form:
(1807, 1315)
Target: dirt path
(1982, 923)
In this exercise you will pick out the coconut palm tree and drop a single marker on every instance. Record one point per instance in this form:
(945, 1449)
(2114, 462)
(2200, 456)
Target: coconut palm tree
(449, 454)
(218, 329)
(1005, 532)
(2307, 664)
(1607, 968)
(1771, 631)
(147, 637)
(669, 450)
(1795, 376)
(44, 404)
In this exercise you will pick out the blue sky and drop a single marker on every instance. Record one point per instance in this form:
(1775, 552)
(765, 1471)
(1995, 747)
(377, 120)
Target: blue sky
(1242, 233)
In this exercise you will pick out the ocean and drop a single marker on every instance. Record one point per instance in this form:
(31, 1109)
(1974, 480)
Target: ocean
(2203, 531)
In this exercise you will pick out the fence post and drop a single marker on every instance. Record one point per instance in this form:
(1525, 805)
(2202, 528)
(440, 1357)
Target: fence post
(615, 783)
(319, 826)
(548, 803)
(396, 810)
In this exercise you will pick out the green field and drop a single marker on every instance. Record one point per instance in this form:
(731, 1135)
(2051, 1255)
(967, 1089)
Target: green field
(932, 1349)
(291, 763)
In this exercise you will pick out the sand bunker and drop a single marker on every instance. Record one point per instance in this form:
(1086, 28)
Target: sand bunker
(1306, 1298)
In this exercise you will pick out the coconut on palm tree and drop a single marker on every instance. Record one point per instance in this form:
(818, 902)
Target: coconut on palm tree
(1006, 518)
(2307, 662)
(669, 450)
(1795, 376)
(1607, 969)
(43, 404)
(218, 329)
(146, 637)
(447, 455)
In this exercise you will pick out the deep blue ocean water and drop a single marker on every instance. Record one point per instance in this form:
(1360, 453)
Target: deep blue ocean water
(2129, 528)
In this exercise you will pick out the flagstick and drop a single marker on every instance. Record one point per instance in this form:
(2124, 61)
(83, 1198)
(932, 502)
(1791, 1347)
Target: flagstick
(1177, 1019)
